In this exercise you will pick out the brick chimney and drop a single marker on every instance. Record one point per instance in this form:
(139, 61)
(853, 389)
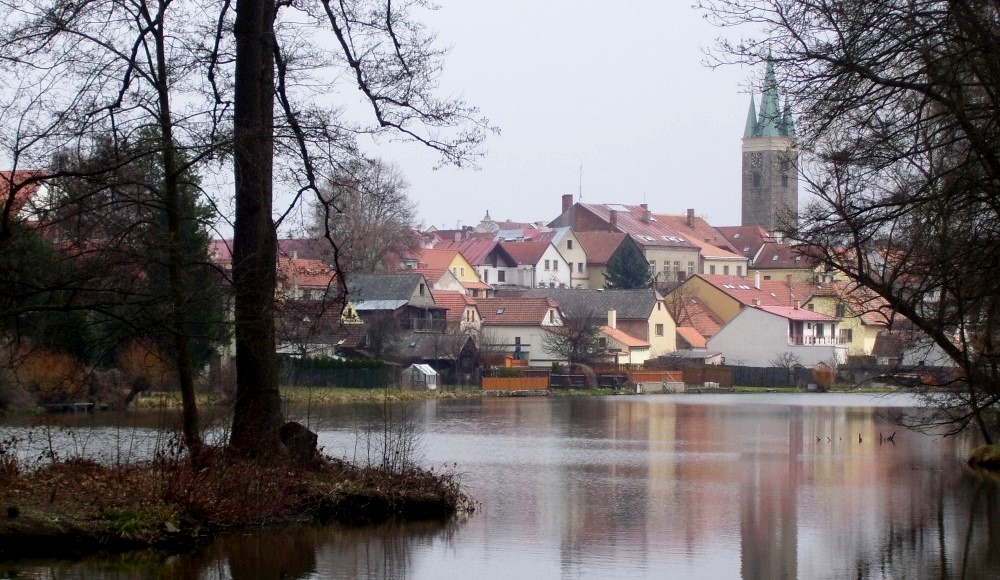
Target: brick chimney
(567, 202)
(614, 220)
(690, 217)
(647, 216)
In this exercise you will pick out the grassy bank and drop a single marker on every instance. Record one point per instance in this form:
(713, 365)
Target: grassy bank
(77, 507)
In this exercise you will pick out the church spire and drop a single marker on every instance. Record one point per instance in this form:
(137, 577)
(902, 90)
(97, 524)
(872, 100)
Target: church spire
(751, 128)
(787, 123)
(769, 119)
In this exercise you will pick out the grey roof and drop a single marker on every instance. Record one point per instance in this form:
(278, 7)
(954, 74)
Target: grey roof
(365, 287)
(629, 304)
(368, 305)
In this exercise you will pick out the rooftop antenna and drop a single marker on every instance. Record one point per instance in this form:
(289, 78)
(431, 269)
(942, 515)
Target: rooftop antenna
(579, 187)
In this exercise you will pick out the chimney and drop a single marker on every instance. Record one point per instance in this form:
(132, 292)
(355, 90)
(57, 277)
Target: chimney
(614, 220)
(295, 254)
(755, 301)
(690, 217)
(756, 279)
(647, 216)
(458, 236)
(798, 304)
(612, 318)
(567, 202)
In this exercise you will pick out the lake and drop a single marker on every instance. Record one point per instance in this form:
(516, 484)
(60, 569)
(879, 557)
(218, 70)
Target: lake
(658, 486)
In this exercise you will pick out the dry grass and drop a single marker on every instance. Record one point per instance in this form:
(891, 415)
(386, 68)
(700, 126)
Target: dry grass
(78, 507)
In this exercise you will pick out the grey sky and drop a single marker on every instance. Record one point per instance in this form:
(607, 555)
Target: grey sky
(619, 88)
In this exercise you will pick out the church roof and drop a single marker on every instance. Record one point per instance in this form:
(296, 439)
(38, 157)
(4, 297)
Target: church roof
(771, 120)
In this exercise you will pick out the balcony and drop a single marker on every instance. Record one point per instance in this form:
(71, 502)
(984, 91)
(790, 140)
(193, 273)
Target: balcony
(817, 341)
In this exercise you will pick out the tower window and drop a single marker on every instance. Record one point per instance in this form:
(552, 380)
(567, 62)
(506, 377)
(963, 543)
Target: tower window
(756, 180)
(784, 181)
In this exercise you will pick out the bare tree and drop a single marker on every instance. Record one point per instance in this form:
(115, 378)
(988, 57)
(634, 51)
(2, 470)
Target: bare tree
(899, 122)
(111, 67)
(365, 209)
(577, 339)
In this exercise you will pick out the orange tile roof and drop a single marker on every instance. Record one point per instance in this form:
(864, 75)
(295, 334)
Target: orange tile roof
(434, 258)
(514, 311)
(631, 219)
(624, 337)
(455, 302)
(475, 250)
(692, 337)
(305, 273)
(792, 313)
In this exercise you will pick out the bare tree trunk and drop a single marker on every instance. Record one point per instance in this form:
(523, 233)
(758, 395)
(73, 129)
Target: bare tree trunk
(172, 201)
(257, 414)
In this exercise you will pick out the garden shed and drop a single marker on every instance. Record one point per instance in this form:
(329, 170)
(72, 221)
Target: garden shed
(419, 376)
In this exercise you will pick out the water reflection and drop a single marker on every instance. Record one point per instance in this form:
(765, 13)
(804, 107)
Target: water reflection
(686, 486)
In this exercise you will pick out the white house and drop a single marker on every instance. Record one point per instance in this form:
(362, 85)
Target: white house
(516, 327)
(759, 335)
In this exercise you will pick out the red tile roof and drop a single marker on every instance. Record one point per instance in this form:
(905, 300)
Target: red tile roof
(525, 252)
(644, 227)
(305, 273)
(769, 293)
(436, 258)
(745, 240)
(801, 314)
(692, 312)
(783, 256)
(514, 311)
(697, 231)
(600, 246)
(475, 250)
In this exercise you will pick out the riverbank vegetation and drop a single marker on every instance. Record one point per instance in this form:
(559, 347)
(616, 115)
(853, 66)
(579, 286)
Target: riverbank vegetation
(76, 506)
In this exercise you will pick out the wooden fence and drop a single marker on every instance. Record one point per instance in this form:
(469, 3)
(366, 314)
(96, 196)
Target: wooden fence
(656, 376)
(534, 383)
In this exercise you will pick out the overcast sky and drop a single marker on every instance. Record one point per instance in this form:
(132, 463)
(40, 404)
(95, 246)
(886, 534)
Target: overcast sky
(617, 88)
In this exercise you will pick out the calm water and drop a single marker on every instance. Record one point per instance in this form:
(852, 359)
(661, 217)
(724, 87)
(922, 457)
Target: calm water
(686, 486)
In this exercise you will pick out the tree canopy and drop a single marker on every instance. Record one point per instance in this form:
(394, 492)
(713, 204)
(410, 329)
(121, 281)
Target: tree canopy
(627, 269)
(898, 119)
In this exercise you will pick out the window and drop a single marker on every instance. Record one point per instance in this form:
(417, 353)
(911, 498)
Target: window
(725, 270)
(841, 310)
(711, 269)
(546, 264)
(690, 268)
(739, 270)
(463, 271)
(501, 276)
(552, 316)
(486, 276)
(846, 335)
(658, 330)
(421, 289)
(784, 181)
(569, 244)
(602, 342)
(555, 264)
(767, 277)
(652, 266)
(579, 267)
(677, 267)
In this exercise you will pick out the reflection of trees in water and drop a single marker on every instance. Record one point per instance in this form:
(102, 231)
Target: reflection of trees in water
(383, 551)
(950, 539)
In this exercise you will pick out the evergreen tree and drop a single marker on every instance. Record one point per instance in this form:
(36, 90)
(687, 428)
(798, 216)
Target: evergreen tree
(627, 269)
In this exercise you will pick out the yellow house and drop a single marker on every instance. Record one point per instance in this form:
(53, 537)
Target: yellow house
(727, 296)
(454, 261)
(862, 314)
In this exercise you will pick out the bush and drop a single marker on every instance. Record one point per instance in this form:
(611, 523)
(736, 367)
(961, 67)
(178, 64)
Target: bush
(51, 377)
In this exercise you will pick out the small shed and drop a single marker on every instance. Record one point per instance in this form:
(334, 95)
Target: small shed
(419, 376)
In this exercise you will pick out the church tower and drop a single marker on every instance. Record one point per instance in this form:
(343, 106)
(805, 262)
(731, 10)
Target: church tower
(770, 161)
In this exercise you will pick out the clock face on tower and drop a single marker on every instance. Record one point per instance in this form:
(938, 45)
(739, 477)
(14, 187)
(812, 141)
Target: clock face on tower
(755, 160)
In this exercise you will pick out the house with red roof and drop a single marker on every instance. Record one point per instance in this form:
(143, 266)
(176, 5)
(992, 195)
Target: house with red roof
(433, 262)
(462, 313)
(516, 327)
(716, 254)
(671, 256)
(492, 262)
(863, 314)
(299, 279)
(538, 265)
(727, 296)
(760, 335)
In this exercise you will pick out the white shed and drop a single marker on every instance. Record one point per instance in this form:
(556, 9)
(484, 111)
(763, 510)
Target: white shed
(419, 376)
